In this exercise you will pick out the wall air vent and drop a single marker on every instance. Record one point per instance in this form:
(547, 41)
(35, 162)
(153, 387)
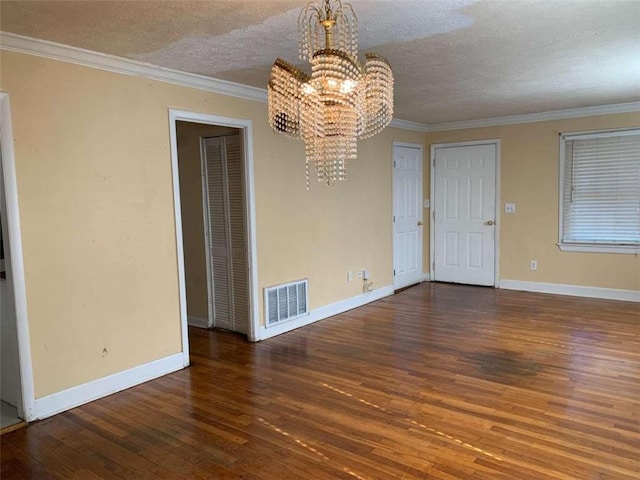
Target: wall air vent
(285, 302)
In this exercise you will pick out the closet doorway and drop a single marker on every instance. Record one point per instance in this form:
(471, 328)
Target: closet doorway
(217, 220)
(16, 376)
(12, 408)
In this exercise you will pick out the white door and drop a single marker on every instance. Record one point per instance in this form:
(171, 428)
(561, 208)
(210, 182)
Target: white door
(236, 202)
(407, 215)
(464, 214)
(226, 233)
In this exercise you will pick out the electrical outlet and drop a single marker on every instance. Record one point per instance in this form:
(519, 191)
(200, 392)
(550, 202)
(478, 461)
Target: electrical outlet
(349, 276)
(360, 274)
(534, 265)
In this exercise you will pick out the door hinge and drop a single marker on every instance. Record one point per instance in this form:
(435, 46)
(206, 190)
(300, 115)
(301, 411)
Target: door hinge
(394, 164)
(394, 272)
(433, 266)
(394, 219)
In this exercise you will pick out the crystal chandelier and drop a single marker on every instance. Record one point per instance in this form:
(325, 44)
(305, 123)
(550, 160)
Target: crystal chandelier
(341, 101)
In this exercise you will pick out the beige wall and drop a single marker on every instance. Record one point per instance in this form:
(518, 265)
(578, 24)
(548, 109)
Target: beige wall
(529, 178)
(189, 166)
(326, 231)
(95, 191)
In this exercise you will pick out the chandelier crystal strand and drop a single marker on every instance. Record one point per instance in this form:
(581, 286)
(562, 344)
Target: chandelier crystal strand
(378, 98)
(341, 101)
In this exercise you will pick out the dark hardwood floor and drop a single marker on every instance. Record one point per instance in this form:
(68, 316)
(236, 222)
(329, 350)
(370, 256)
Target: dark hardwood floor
(436, 382)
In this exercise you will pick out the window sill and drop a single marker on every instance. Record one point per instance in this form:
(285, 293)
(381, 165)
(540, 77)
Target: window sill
(599, 248)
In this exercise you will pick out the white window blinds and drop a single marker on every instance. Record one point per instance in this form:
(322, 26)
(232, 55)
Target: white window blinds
(601, 188)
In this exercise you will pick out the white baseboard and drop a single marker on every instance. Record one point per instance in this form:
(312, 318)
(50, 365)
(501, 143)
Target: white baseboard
(573, 290)
(197, 322)
(426, 277)
(325, 312)
(87, 392)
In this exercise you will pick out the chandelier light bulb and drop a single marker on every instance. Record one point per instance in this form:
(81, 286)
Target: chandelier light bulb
(308, 89)
(341, 101)
(348, 86)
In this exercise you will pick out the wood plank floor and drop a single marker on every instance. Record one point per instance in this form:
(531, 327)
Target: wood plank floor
(436, 382)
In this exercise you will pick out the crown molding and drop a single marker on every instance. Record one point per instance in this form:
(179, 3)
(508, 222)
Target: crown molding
(111, 63)
(537, 117)
(407, 125)
(517, 119)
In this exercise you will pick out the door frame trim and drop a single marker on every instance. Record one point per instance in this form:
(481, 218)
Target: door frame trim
(432, 164)
(247, 137)
(420, 147)
(16, 260)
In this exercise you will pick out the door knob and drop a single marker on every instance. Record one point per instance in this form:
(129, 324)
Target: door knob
(419, 224)
(489, 222)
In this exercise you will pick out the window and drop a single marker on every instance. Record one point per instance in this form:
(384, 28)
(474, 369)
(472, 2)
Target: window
(600, 191)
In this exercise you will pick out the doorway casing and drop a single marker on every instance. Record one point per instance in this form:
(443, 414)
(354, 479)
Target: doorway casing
(16, 266)
(247, 137)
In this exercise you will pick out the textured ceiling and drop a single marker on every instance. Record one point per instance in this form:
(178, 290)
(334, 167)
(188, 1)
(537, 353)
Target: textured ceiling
(453, 59)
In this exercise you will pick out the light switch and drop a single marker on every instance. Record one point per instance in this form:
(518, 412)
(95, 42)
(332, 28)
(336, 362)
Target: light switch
(509, 208)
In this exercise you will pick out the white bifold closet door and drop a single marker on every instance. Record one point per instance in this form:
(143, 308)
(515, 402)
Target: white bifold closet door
(226, 236)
